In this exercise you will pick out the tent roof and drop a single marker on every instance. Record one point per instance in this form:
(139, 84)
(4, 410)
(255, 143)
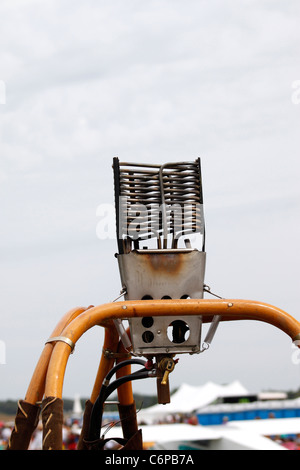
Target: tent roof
(189, 398)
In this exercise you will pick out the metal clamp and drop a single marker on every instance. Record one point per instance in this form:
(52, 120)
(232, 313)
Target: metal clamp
(64, 339)
(108, 354)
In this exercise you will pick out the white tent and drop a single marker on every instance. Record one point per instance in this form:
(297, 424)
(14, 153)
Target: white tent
(77, 408)
(183, 436)
(188, 399)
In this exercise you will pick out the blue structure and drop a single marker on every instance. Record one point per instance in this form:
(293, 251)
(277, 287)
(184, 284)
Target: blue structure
(219, 414)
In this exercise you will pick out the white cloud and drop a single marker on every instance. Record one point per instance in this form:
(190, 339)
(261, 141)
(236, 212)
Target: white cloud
(149, 81)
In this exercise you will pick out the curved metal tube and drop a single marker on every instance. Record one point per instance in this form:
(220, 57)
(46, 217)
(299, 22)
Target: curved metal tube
(125, 393)
(21, 434)
(106, 390)
(36, 386)
(104, 314)
(111, 343)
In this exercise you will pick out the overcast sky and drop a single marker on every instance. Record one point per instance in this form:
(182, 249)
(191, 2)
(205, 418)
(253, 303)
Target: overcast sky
(147, 81)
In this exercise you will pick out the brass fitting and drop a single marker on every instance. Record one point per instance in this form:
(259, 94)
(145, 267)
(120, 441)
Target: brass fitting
(166, 365)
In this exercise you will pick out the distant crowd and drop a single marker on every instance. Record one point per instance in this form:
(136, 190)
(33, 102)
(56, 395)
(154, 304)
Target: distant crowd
(289, 442)
(177, 418)
(5, 432)
(71, 432)
(70, 436)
